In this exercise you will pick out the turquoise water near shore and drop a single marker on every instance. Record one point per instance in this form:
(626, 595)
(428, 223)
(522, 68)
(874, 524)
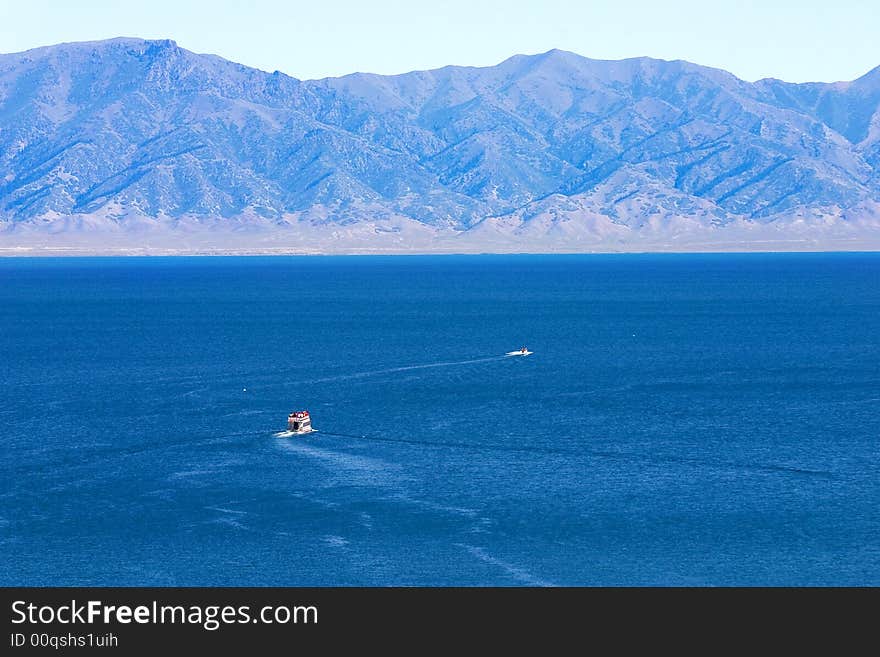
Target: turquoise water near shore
(684, 420)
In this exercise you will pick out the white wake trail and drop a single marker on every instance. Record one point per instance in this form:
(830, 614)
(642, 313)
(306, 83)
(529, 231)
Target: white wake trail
(392, 370)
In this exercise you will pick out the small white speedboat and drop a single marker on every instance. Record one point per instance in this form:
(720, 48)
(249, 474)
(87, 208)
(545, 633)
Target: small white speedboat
(519, 352)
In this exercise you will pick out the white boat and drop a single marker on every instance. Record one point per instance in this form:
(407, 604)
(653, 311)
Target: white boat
(299, 422)
(519, 352)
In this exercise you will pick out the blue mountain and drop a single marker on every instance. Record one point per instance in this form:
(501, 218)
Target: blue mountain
(129, 143)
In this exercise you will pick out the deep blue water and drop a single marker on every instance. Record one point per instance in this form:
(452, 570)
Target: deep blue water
(684, 420)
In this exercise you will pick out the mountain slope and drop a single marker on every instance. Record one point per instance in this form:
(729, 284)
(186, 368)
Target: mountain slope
(125, 136)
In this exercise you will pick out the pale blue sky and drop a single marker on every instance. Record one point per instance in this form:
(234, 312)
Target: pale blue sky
(793, 40)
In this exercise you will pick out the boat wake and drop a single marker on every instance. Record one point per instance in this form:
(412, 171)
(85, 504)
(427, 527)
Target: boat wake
(351, 468)
(393, 370)
(291, 434)
(520, 575)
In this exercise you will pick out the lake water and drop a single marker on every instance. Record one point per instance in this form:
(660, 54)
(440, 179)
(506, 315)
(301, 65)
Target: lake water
(684, 420)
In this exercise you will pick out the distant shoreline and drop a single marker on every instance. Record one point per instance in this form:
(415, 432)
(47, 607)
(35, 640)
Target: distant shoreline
(37, 252)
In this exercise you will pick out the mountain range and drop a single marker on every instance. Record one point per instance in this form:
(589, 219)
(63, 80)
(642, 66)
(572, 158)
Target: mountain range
(132, 145)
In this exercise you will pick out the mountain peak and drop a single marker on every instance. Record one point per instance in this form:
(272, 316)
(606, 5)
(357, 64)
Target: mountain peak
(112, 44)
(559, 54)
(554, 56)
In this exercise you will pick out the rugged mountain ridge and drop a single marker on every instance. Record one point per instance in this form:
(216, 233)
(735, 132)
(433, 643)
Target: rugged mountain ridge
(137, 142)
